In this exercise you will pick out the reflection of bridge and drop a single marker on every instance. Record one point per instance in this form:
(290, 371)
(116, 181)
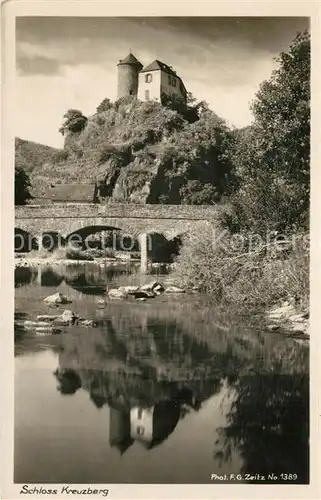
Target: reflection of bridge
(135, 220)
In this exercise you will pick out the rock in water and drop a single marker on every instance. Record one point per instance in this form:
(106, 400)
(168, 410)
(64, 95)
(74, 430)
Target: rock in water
(152, 287)
(115, 293)
(89, 323)
(69, 316)
(144, 294)
(129, 289)
(47, 317)
(158, 289)
(36, 323)
(57, 298)
(60, 322)
(41, 330)
(174, 289)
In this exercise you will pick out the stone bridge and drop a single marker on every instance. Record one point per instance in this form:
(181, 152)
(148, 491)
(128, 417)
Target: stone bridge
(138, 221)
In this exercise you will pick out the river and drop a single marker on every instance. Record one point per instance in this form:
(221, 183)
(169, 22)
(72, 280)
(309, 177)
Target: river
(171, 390)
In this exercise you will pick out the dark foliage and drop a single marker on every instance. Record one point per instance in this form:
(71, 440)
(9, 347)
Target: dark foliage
(272, 157)
(22, 187)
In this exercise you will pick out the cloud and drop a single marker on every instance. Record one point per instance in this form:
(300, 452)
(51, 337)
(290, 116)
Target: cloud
(41, 65)
(187, 40)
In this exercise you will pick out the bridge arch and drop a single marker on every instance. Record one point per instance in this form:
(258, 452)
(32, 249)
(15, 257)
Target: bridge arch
(50, 240)
(110, 237)
(83, 236)
(163, 248)
(24, 241)
(138, 221)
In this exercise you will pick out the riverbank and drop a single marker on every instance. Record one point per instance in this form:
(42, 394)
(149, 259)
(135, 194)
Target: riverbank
(269, 280)
(26, 261)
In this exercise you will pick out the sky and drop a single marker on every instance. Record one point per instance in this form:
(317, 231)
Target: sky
(69, 62)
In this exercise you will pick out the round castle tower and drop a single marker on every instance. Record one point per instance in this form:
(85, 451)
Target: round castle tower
(128, 71)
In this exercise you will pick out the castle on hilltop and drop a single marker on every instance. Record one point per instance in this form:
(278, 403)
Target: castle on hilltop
(151, 82)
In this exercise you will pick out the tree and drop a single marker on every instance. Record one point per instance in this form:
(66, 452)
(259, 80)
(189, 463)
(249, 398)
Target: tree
(190, 109)
(195, 192)
(105, 105)
(272, 157)
(75, 121)
(200, 154)
(268, 425)
(22, 186)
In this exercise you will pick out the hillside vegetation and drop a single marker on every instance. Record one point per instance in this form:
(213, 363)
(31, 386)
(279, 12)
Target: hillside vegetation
(138, 152)
(30, 155)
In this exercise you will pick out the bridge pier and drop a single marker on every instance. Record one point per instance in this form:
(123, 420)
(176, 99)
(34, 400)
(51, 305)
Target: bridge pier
(143, 253)
(39, 275)
(39, 242)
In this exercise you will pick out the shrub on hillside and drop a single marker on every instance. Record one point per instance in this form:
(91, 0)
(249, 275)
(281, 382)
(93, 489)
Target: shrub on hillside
(122, 155)
(60, 156)
(105, 105)
(198, 193)
(190, 109)
(123, 102)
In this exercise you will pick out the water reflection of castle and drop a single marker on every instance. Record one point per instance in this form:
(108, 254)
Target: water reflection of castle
(149, 426)
(128, 423)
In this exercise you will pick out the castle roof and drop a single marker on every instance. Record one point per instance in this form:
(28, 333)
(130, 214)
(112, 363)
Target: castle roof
(159, 65)
(156, 65)
(130, 59)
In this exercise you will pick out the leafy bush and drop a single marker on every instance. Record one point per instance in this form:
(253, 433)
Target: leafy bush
(22, 187)
(71, 252)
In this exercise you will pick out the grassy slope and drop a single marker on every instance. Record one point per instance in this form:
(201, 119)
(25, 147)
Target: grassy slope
(32, 154)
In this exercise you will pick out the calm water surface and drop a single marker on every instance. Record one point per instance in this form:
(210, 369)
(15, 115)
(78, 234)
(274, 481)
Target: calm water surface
(166, 391)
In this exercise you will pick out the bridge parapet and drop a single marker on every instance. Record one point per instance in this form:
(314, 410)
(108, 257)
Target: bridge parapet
(90, 210)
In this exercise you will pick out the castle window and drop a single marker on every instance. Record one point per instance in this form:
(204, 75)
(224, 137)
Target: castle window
(169, 80)
(146, 95)
(139, 413)
(174, 82)
(148, 78)
(140, 431)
